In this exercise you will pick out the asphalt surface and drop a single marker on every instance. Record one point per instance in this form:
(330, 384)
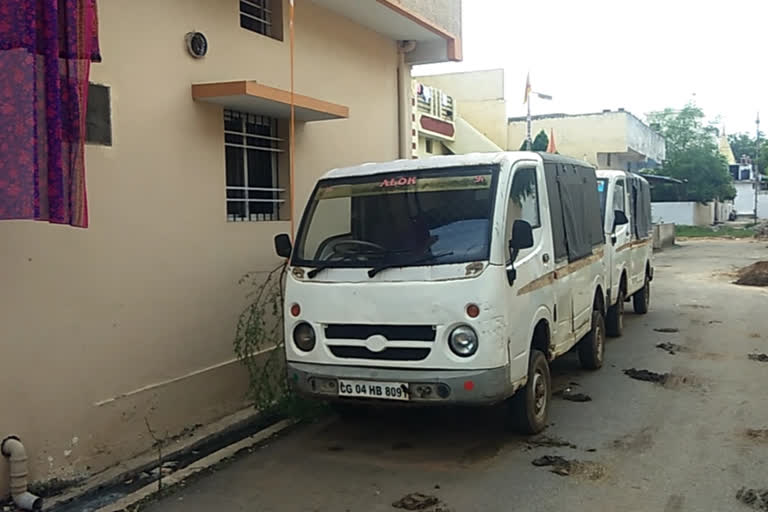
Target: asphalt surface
(688, 444)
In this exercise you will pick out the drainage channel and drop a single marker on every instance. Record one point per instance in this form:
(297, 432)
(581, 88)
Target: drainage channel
(128, 483)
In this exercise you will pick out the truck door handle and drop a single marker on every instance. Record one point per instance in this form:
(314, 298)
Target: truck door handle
(545, 257)
(613, 239)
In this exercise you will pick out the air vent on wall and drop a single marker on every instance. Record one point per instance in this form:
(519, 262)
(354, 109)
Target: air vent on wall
(197, 44)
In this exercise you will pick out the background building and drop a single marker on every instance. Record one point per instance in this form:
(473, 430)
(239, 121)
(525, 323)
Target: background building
(133, 318)
(608, 139)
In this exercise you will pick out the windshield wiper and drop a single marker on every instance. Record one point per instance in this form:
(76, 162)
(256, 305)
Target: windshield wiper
(350, 257)
(394, 264)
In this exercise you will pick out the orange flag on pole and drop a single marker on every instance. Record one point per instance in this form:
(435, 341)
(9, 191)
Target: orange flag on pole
(551, 145)
(527, 88)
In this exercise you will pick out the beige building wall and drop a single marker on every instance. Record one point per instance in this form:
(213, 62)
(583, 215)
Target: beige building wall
(576, 136)
(489, 117)
(134, 317)
(469, 85)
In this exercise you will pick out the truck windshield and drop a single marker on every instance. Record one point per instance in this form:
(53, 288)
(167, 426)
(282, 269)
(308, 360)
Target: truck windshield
(602, 190)
(425, 217)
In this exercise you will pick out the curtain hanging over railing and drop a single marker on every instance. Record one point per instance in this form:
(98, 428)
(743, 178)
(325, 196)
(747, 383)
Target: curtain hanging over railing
(46, 47)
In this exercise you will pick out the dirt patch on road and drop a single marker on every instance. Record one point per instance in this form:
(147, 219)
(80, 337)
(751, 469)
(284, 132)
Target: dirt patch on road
(639, 441)
(697, 306)
(419, 501)
(754, 275)
(550, 442)
(667, 330)
(757, 434)
(569, 394)
(668, 380)
(566, 467)
(755, 498)
(672, 348)
(761, 358)
(646, 375)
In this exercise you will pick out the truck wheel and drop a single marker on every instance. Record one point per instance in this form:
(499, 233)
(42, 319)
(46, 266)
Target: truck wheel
(614, 321)
(641, 300)
(592, 347)
(530, 405)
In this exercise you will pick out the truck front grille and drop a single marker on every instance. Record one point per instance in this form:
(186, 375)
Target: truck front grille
(391, 332)
(388, 354)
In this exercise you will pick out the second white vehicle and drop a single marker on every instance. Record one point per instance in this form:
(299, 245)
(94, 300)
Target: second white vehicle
(625, 204)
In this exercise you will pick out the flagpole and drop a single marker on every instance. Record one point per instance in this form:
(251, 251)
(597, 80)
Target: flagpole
(292, 131)
(528, 140)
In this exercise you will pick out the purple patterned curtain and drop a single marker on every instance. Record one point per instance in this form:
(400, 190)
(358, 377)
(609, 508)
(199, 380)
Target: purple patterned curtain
(46, 47)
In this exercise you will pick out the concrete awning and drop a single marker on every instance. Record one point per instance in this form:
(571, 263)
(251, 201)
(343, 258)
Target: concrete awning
(256, 98)
(400, 23)
(469, 140)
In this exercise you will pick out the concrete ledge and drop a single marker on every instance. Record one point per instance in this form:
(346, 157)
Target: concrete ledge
(663, 236)
(128, 469)
(178, 477)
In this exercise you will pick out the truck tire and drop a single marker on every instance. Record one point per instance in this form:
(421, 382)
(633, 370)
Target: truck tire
(592, 347)
(530, 405)
(641, 300)
(614, 320)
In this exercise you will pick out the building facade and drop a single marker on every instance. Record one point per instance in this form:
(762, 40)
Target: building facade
(132, 319)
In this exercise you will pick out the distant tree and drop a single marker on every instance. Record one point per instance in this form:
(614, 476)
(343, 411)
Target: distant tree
(744, 144)
(692, 153)
(540, 142)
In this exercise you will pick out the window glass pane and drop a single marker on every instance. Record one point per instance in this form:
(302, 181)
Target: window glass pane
(252, 24)
(618, 196)
(235, 210)
(259, 168)
(523, 199)
(98, 119)
(230, 138)
(260, 143)
(235, 166)
(259, 127)
(232, 122)
(254, 8)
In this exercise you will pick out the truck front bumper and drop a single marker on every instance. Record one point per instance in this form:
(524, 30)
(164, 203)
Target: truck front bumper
(470, 387)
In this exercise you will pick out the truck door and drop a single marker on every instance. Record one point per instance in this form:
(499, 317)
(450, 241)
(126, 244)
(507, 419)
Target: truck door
(621, 236)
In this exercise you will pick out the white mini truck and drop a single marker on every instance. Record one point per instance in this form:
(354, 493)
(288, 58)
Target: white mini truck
(625, 205)
(446, 280)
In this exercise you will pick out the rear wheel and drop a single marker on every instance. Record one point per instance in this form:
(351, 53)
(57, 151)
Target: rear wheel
(592, 347)
(641, 300)
(530, 405)
(614, 321)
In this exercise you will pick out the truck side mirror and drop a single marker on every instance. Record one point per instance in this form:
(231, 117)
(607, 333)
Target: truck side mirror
(283, 246)
(522, 238)
(619, 218)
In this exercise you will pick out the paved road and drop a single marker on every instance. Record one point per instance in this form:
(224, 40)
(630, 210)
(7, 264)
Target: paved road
(681, 446)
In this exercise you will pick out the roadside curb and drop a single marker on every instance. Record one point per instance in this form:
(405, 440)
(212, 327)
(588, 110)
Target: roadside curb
(93, 493)
(176, 478)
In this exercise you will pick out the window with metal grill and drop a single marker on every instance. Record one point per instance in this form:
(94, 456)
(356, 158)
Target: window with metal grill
(263, 17)
(252, 147)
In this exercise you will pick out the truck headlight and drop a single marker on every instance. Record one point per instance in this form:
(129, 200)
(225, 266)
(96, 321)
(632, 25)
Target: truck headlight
(463, 341)
(304, 337)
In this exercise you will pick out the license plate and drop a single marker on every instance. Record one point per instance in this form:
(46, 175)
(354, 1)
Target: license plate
(371, 389)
